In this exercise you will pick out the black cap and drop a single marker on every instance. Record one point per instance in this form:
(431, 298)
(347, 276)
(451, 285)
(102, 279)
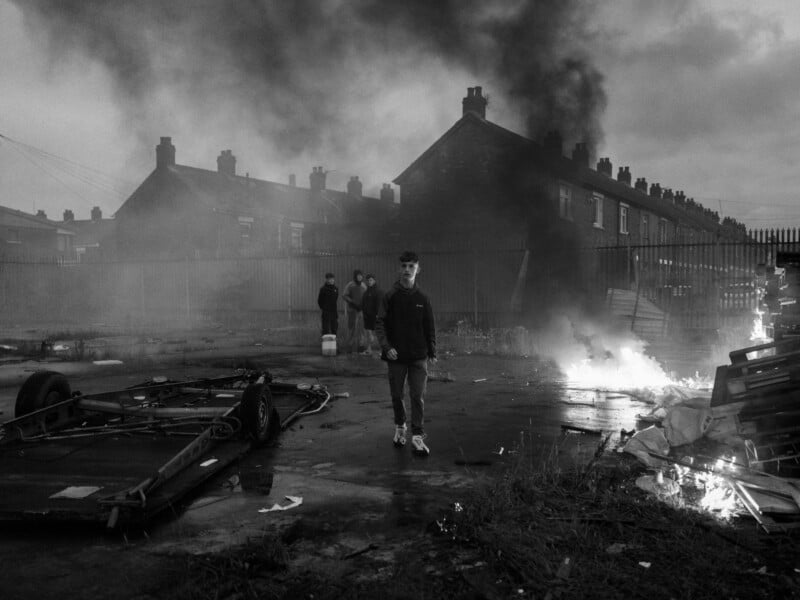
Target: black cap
(329, 275)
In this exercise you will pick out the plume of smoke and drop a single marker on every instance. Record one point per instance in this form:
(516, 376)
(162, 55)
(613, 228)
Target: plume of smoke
(306, 78)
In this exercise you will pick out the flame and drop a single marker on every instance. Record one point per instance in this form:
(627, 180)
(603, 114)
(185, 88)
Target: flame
(757, 332)
(628, 369)
(717, 497)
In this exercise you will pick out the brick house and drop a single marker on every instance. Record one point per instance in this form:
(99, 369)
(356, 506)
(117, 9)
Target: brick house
(482, 186)
(33, 237)
(486, 180)
(180, 211)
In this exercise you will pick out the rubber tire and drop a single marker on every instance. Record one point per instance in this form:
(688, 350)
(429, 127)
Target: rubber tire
(43, 388)
(257, 413)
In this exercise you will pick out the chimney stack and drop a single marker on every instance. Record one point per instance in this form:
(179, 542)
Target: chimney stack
(387, 193)
(668, 195)
(165, 153)
(474, 102)
(680, 198)
(354, 187)
(317, 179)
(655, 190)
(580, 154)
(226, 163)
(41, 213)
(553, 144)
(624, 175)
(292, 180)
(641, 184)
(97, 214)
(604, 167)
(68, 216)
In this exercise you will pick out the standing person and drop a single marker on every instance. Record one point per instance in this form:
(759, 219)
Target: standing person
(370, 304)
(407, 334)
(353, 296)
(327, 302)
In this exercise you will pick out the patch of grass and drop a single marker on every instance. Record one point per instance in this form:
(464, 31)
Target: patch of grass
(538, 530)
(592, 533)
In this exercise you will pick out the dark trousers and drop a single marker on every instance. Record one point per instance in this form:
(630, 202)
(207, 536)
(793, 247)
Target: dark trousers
(330, 322)
(417, 374)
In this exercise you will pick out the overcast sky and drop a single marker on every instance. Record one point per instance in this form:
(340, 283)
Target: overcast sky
(699, 96)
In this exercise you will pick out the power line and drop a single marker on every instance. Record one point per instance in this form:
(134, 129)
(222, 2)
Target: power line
(50, 163)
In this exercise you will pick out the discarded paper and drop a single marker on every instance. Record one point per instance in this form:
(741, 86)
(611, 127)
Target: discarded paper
(294, 501)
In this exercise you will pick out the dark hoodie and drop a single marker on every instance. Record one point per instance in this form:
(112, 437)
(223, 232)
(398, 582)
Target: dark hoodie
(328, 295)
(405, 322)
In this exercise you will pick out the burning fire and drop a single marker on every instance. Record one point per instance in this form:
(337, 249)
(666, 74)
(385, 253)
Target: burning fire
(757, 333)
(627, 369)
(718, 496)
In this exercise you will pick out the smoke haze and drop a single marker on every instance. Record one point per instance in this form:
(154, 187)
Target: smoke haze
(353, 86)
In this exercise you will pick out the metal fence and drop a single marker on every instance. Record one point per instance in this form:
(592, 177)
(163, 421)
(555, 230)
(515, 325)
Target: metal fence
(698, 285)
(268, 290)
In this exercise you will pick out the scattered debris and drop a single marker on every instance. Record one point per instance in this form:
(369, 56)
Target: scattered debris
(294, 501)
(566, 428)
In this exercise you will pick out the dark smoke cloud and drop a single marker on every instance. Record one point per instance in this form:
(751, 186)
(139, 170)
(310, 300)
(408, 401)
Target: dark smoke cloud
(302, 73)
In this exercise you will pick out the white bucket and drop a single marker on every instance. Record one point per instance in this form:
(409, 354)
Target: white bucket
(329, 345)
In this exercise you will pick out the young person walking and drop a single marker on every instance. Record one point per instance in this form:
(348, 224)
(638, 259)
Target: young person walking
(406, 332)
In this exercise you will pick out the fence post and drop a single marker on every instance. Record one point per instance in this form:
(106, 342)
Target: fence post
(291, 283)
(475, 287)
(186, 289)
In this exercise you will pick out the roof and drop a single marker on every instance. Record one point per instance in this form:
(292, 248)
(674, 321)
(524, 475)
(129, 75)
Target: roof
(247, 196)
(565, 168)
(91, 232)
(10, 217)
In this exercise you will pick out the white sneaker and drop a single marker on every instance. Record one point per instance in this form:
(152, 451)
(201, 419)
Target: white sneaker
(400, 436)
(419, 446)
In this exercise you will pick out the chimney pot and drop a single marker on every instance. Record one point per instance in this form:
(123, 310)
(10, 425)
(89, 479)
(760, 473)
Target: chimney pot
(604, 166)
(474, 102)
(317, 179)
(580, 154)
(354, 188)
(97, 214)
(41, 213)
(226, 163)
(68, 216)
(624, 175)
(387, 193)
(165, 153)
(655, 190)
(641, 184)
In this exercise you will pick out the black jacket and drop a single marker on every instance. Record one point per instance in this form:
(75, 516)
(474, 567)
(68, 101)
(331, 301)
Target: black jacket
(405, 322)
(371, 301)
(328, 296)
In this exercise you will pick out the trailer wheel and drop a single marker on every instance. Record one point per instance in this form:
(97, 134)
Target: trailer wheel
(41, 389)
(256, 412)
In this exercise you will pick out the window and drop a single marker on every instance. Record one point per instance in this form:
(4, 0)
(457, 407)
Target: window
(597, 204)
(13, 236)
(297, 236)
(245, 227)
(565, 202)
(623, 218)
(646, 227)
(662, 231)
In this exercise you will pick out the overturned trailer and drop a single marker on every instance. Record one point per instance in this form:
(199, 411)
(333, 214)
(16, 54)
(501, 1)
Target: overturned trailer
(123, 456)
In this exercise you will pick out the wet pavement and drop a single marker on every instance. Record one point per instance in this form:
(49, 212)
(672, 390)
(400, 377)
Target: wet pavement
(356, 488)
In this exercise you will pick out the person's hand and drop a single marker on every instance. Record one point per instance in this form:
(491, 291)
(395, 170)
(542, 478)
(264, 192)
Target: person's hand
(391, 354)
